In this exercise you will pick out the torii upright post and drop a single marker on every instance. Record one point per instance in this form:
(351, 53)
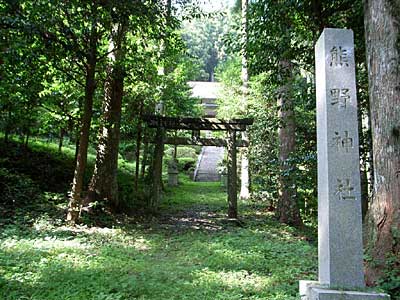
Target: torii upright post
(157, 168)
(232, 175)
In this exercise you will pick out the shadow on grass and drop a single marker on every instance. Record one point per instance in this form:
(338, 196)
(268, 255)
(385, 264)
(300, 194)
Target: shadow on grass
(242, 264)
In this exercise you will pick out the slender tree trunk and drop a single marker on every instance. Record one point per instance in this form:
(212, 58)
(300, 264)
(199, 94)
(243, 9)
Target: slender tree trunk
(287, 208)
(27, 138)
(104, 185)
(138, 145)
(144, 159)
(318, 16)
(232, 175)
(61, 140)
(175, 155)
(244, 174)
(77, 137)
(6, 134)
(382, 27)
(7, 129)
(364, 141)
(75, 201)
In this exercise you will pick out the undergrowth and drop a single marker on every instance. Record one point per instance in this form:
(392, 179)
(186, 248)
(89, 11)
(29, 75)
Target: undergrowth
(187, 251)
(173, 256)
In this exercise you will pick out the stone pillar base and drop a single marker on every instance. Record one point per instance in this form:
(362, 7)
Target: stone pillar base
(312, 290)
(173, 179)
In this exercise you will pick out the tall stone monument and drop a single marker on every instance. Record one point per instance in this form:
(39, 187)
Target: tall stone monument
(340, 250)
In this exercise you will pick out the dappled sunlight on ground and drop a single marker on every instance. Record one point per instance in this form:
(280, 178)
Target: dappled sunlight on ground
(188, 251)
(244, 280)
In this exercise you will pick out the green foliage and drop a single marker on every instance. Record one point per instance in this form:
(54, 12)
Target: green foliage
(187, 164)
(16, 190)
(279, 31)
(231, 100)
(390, 281)
(51, 170)
(204, 40)
(182, 151)
(186, 156)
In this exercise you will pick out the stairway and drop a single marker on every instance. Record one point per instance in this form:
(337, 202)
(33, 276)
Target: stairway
(206, 170)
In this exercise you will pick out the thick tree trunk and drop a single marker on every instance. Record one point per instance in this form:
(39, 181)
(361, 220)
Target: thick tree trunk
(104, 185)
(287, 208)
(77, 137)
(382, 27)
(82, 143)
(157, 169)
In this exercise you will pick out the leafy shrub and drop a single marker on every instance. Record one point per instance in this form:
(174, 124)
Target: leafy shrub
(17, 189)
(52, 171)
(182, 152)
(186, 164)
(127, 150)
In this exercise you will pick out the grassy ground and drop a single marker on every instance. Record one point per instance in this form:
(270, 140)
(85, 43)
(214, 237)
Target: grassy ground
(189, 251)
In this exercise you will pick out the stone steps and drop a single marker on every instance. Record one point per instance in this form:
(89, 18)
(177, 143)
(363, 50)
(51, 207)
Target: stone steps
(207, 168)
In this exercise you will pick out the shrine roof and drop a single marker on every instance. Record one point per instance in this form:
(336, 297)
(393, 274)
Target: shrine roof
(205, 89)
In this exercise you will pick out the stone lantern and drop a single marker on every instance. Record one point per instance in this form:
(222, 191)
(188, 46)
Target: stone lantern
(173, 173)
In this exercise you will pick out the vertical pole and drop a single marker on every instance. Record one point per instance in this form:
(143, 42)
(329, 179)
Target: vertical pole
(157, 168)
(232, 175)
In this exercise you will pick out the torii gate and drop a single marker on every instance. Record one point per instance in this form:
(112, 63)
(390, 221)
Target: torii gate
(195, 125)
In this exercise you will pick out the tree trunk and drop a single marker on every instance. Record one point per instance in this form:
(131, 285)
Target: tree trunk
(287, 208)
(77, 137)
(175, 154)
(157, 169)
(244, 166)
(7, 128)
(318, 17)
(363, 141)
(104, 185)
(27, 138)
(138, 144)
(61, 140)
(144, 159)
(382, 27)
(82, 144)
(6, 134)
(232, 175)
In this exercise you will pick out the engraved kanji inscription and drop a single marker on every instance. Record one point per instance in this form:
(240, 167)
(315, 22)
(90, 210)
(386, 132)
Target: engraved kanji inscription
(340, 97)
(345, 189)
(343, 142)
(339, 57)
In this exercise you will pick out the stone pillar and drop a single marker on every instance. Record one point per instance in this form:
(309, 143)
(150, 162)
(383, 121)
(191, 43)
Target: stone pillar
(173, 173)
(224, 179)
(340, 251)
(232, 175)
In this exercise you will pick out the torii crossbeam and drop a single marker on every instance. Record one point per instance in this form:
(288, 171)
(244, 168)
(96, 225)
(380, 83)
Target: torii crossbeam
(196, 124)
